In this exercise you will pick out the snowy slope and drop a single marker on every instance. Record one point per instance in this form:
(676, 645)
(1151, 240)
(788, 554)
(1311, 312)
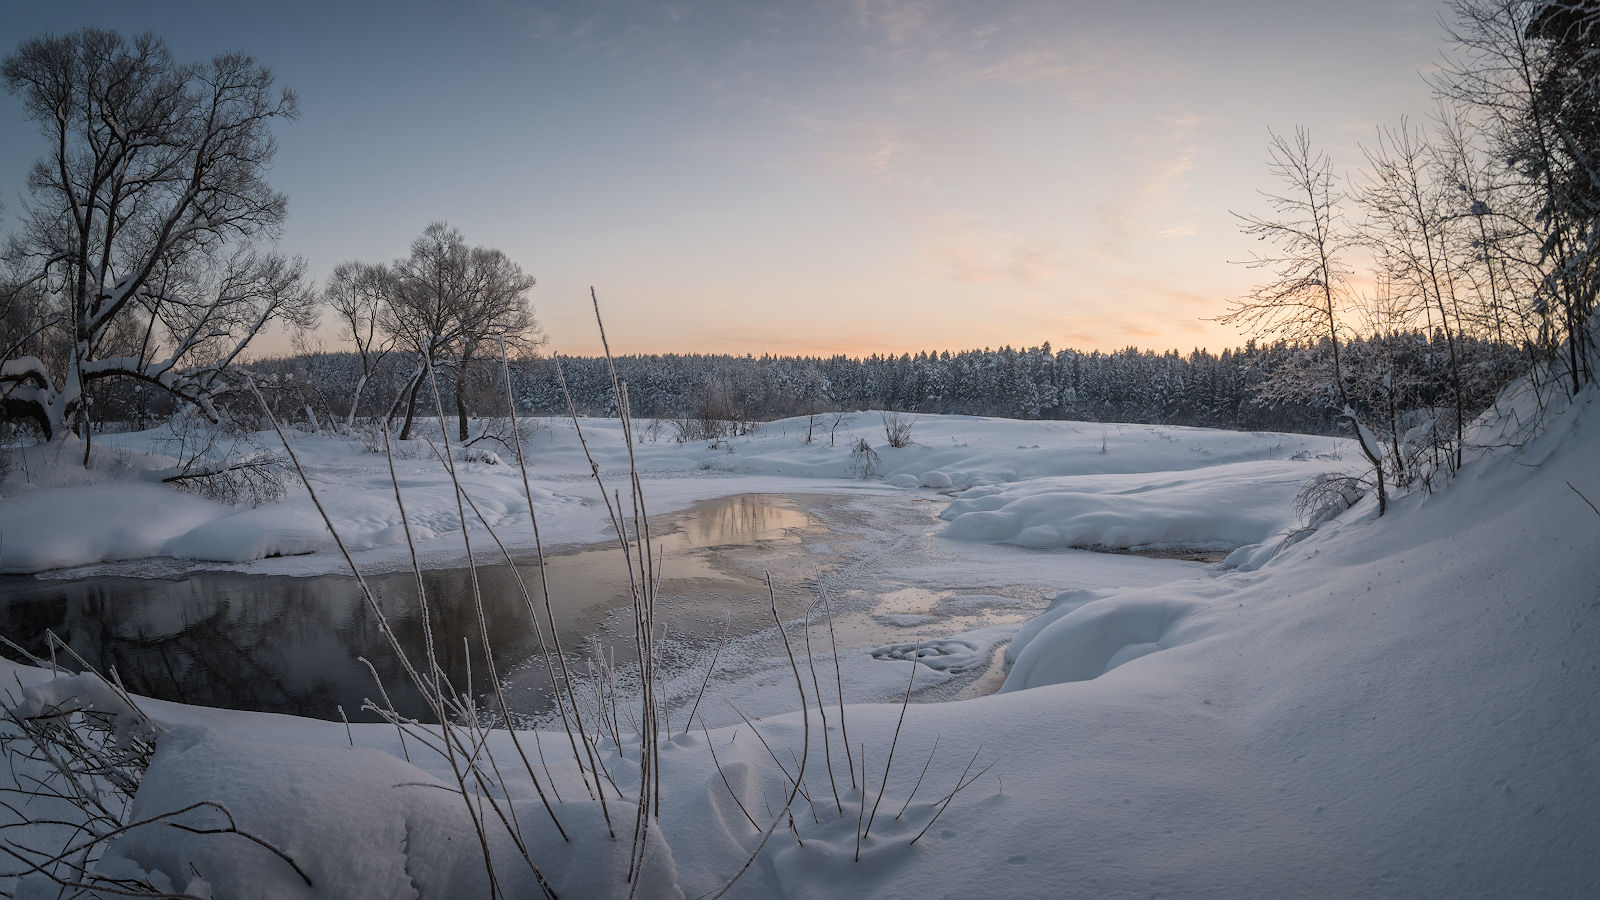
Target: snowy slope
(1402, 707)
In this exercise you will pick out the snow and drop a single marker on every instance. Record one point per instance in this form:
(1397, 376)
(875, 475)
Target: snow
(1392, 707)
(1060, 486)
(1219, 507)
(956, 654)
(393, 829)
(71, 526)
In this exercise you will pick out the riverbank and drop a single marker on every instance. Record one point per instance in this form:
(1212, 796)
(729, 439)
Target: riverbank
(56, 515)
(1392, 707)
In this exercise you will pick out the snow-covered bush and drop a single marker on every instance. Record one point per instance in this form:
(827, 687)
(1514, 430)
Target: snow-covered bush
(478, 455)
(1327, 495)
(222, 461)
(864, 460)
(687, 429)
(499, 430)
(897, 428)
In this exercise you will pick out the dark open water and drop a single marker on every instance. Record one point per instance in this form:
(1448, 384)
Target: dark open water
(290, 644)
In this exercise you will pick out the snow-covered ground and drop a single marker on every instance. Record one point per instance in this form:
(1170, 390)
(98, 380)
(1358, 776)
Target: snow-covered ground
(1394, 707)
(57, 515)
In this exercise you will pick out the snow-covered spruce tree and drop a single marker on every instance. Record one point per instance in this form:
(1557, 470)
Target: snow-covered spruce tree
(1527, 75)
(148, 222)
(1304, 301)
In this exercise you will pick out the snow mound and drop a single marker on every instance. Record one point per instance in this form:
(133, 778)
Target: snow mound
(251, 535)
(1221, 507)
(358, 822)
(1403, 706)
(74, 526)
(1092, 638)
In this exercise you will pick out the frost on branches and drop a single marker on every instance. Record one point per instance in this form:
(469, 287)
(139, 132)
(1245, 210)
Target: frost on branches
(143, 250)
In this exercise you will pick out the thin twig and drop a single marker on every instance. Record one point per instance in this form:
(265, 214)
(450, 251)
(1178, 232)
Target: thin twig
(861, 814)
(890, 764)
(709, 669)
(827, 751)
(920, 777)
(960, 783)
(724, 775)
(1584, 499)
(844, 734)
(544, 587)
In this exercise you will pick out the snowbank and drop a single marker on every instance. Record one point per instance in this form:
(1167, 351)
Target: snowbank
(1221, 507)
(358, 822)
(1013, 469)
(72, 526)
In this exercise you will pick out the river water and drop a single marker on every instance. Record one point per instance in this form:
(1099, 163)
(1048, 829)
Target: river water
(291, 644)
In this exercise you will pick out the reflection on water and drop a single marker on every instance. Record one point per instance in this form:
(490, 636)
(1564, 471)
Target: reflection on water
(289, 644)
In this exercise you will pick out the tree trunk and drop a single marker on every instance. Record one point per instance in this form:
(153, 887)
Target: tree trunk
(355, 402)
(461, 392)
(411, 407)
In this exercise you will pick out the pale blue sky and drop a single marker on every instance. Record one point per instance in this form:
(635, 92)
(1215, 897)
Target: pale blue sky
(822, 177)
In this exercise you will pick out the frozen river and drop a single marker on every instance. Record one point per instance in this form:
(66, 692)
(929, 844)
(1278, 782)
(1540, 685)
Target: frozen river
(292, 644)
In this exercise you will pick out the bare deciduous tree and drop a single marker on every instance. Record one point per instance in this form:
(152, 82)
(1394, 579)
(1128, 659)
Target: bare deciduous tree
(1407, 232)
(446, 300)
(1529, 73)
(356, 292)
(146, 220)
(1304, 301)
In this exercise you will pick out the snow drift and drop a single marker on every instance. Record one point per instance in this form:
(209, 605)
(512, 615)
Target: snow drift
(1219, 507)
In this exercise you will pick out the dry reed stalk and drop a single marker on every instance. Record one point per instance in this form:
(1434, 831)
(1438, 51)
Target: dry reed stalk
(781, 767)
(860, 814)
(709, 669)
(919, 777)
(528, 600)
(838, 677)
(544, 587)
(827, 752)
(960, 783)
(724, 775)
(895, 742)
(805, 719)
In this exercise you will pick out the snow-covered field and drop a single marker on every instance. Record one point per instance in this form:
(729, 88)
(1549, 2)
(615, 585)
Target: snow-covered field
(1394, 707)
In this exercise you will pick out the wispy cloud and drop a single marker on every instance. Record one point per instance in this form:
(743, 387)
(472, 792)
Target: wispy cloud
(981, 257)
(880, 151)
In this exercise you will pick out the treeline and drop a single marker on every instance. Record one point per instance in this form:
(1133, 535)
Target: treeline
(725, 394)
(1130, 385)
